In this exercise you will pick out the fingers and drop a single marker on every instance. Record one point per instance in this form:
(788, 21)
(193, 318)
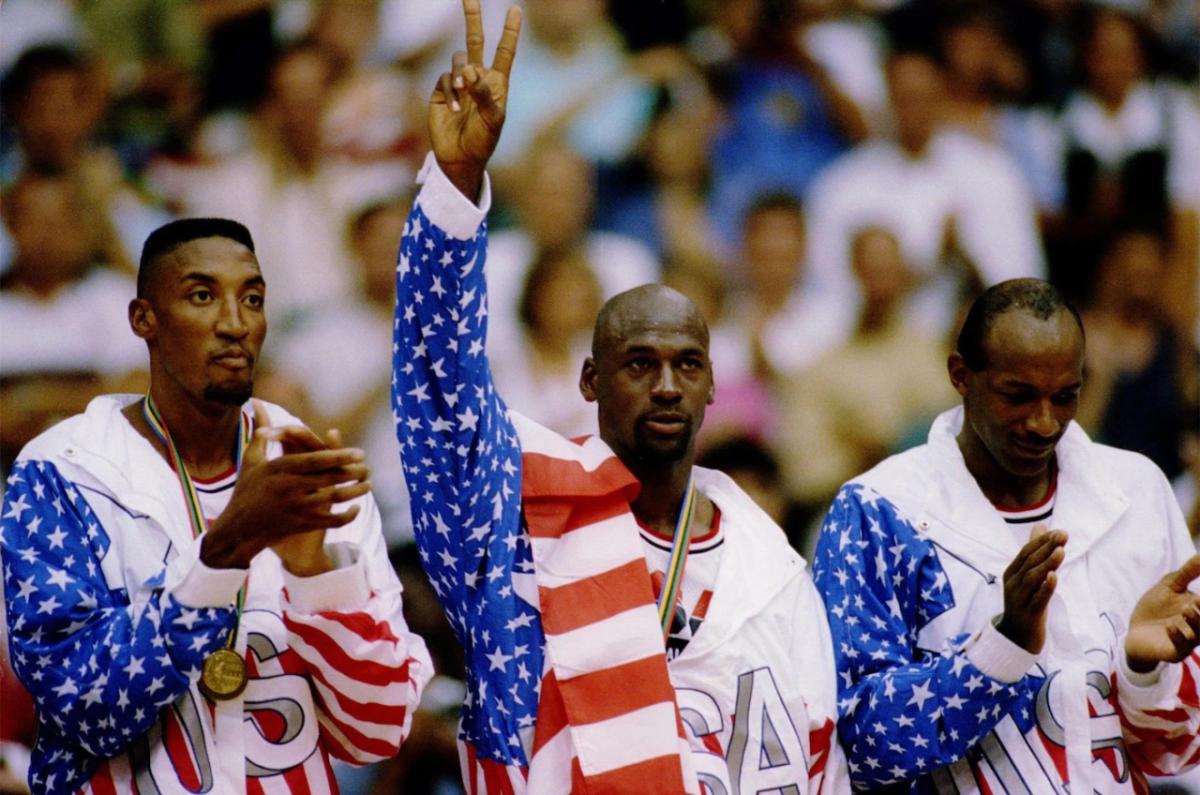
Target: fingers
(474, 31)
(1036, 551)
(1184, 632)
(334, 495)
(298, 439)
(333, 438)
(506, 50)
(446, 90)
(309, 463)
(1181, 578)
(256, 451)
(482, 95)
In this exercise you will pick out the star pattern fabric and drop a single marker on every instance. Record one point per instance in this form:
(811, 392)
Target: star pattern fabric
(462, 462)
(99, 668)
(903, 711)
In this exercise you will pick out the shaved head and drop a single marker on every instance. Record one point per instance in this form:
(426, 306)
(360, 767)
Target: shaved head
(651, 307)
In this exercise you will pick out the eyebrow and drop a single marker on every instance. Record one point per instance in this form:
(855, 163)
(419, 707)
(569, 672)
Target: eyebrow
(692, 350)
(199, 276)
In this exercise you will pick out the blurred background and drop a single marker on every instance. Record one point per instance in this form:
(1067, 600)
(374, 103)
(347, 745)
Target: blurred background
(830, 180)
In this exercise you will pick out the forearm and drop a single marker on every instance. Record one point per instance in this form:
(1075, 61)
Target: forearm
(1160, 715)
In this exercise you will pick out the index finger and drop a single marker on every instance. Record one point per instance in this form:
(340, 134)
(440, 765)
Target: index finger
(474, 31)
(506, 50)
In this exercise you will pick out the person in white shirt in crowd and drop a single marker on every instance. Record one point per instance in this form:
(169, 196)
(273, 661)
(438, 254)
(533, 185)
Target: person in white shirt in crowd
(938, 190)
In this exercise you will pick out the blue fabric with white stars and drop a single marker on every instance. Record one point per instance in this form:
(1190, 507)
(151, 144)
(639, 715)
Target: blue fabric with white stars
(99, 668)
(903, 712)
(462, 463)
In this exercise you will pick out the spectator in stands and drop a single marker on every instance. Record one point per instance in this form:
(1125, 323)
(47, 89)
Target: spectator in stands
(937, 190)
(1131, 156)
(54, 100)
(554, 195)
(559, 302)
(785, 119)
(850, 409)
(65, 336)
(1136, 365)
(295, 200)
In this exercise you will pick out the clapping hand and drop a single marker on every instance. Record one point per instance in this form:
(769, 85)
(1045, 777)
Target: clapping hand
(1165, 624)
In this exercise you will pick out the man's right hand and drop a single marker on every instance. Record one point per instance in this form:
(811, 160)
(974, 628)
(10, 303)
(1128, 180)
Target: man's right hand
(285, 496)
(1028, 585)
(467, 108)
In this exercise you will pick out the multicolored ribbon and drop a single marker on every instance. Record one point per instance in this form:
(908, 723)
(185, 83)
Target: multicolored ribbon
(190, 498)
(673, 579)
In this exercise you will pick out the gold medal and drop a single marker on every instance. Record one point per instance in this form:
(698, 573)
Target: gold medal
(224, 675)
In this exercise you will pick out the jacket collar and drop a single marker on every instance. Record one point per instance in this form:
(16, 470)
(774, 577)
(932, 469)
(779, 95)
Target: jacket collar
(1088, 503)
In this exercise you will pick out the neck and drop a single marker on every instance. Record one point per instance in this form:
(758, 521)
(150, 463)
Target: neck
(204, 432)
(663, 489)
(1001, 487)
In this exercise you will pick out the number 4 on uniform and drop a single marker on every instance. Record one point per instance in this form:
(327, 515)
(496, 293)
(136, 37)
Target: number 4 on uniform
(765, 752)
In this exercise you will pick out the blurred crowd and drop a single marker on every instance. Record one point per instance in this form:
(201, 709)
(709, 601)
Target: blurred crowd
(829, 180)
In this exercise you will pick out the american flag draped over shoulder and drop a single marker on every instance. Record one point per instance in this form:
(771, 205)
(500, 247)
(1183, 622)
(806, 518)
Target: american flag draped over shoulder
(463, 461)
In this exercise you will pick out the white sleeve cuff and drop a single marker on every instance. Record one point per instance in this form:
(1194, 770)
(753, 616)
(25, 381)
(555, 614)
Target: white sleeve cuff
(194, 584)
(998, 657)
(1149, 690)
(343, 588)
(445, 205)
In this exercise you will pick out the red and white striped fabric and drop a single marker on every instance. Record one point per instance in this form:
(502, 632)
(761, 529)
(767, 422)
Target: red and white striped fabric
(607, 719)
(1164, 736)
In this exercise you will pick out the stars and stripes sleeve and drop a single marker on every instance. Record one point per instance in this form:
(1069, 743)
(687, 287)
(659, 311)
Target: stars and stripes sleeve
(881, 583)
(347, 627)
(458, 447)
(99, 666)
(462, 463)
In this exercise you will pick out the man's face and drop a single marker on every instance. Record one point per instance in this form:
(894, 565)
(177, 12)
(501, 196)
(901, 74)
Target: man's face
(651, 380)
(774, 251)
(206, 323)
(1019, 405)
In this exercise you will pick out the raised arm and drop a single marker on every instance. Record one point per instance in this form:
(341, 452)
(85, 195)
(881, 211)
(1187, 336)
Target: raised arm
(881, 584)
(459, 450)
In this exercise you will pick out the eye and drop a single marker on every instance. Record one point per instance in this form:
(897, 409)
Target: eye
(639, 364)
(201, 295)
(1016, 398)
(1065, 398)
(254, 299)
(692, 363)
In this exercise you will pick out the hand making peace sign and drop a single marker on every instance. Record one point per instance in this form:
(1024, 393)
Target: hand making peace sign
(466, 110)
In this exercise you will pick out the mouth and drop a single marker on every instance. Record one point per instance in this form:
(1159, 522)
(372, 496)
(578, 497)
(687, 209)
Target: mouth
(1036, 450)
(233, 359)
(666, 424)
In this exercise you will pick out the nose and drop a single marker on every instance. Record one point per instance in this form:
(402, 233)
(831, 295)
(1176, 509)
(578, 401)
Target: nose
(666, 386)
(230, 322)
(1042, 421)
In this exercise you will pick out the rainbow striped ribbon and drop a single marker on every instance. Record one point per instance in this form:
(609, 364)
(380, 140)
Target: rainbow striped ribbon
(673, 580)
(190, 498)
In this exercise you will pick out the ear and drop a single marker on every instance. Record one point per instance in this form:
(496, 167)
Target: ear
(587, 380)
(959, 373)
(142, 319)
(712, 388)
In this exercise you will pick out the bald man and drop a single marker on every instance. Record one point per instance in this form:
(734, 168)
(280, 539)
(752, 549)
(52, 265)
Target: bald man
(596, 660)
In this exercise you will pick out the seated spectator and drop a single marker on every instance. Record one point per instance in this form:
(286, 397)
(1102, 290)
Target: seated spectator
(660, 197)
(1136, 365)
(335, 353)
(785, 120)
(65, 337)
(785, 323)
(54, 102)
(851, 408)
(1131, 156)
(294, 199)
(559, 302)
(935, 189)
(574, 78)
(554, 194)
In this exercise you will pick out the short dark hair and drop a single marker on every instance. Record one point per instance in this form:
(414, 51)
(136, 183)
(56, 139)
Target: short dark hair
(170, 236)
(1040, 298)
(33, 64)
(774, 201)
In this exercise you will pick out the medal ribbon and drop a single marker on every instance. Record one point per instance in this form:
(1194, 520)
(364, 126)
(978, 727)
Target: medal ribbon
(190, 498)
(679, 552)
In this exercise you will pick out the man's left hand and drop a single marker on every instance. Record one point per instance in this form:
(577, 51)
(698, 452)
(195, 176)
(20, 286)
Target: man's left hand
(1165, 624)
